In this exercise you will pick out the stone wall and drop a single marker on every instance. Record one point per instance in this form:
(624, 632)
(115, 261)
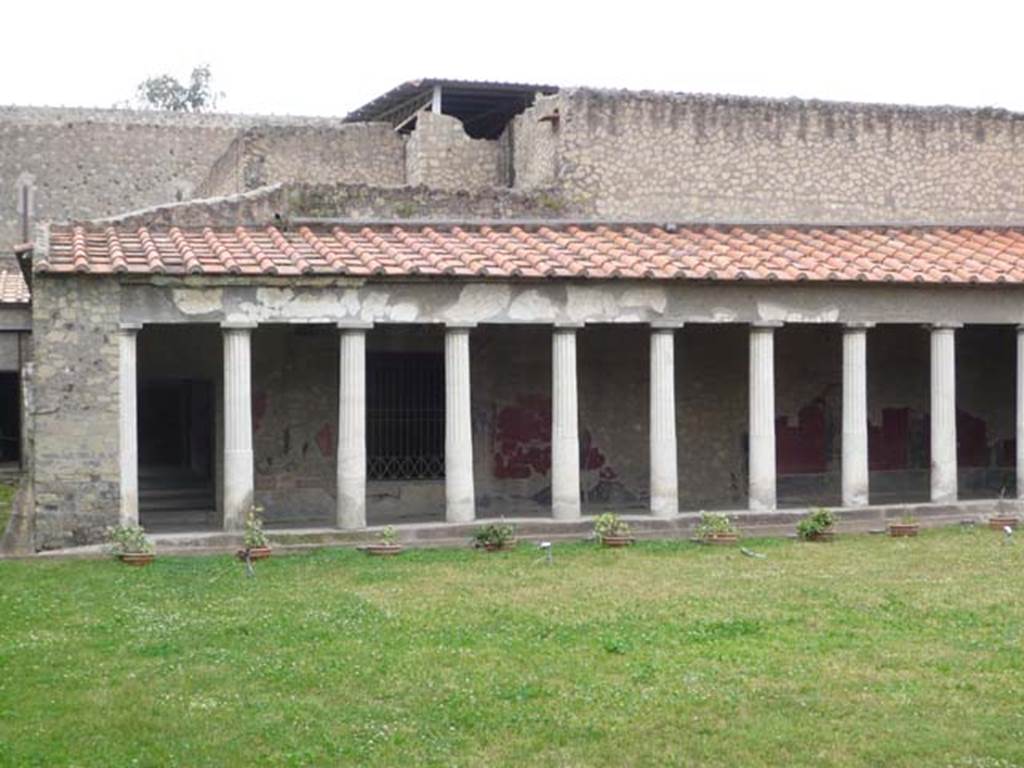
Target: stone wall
(370, 153)
(91, 163)
(439, 153)
(280, 203)
(673, 157)
(366, 202)
(535, 144)
(76, 407)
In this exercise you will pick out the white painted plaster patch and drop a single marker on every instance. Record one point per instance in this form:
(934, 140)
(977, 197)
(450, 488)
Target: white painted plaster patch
(780, 313)
(648, 297)
(530, 305)
(198, 301)
(723, 315)
(478, 302)
(402, 312)
(586, 303)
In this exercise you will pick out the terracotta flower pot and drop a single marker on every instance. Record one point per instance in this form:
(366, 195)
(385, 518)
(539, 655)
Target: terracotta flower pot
(721, 539)
(616, 540)
(255, 553)
(383, 550)
(999, 522)
(138, 559)
(828, 535)
(902, 530)
(491, 546)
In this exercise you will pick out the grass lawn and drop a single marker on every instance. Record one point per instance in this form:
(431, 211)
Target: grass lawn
(867, 651)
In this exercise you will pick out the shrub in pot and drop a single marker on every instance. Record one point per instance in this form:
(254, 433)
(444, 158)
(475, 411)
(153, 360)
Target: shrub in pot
(1002, 521)
(130, 545)
(716, 528)
(495, 536)
(817, 526)
(612, 531)
(254, 539)
(386, 544)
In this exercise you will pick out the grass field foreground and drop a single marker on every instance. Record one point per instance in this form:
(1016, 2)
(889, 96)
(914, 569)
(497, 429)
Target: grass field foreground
(866, 651)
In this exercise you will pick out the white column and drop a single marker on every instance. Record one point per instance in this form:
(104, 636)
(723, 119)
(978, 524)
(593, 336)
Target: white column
(943, 469)
(460, 502)
(565, 438)
(855, 415)
(238, 465)
(762, 417)
(352, 427)
(128, 425)
(1020, 412)
(664, 470)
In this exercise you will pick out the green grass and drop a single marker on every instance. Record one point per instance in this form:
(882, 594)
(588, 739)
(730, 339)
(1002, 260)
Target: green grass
(867, 651)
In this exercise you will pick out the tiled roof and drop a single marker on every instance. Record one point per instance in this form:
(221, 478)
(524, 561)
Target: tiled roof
(12, 285)
(790, 254)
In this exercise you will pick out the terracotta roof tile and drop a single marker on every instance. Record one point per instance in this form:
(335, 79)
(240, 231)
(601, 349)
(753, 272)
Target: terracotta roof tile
(589, 251)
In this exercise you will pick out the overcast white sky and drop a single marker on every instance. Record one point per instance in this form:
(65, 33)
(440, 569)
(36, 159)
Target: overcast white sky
(303, 57)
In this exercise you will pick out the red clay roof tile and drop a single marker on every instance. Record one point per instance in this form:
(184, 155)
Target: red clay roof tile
(873, 254)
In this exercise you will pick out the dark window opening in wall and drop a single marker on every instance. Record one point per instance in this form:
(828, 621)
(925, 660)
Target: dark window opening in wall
(10, 419)
(175, 428)
(405, 415)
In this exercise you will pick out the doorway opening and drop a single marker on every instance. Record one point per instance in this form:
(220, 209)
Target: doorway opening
(176, 477)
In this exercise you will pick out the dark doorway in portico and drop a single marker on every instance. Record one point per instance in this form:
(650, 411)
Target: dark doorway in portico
(178, 374)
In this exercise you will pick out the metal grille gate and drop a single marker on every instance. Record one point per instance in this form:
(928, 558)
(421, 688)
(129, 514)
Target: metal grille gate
(405, 415)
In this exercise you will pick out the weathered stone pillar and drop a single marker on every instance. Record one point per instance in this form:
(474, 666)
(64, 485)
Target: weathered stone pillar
(762, 417)
(664, 469)
(238, 464)
(128, 424)
(855, 415)
(943, 437)
(351, 510)
(460, 500)
(1020, 412)
(565, 438)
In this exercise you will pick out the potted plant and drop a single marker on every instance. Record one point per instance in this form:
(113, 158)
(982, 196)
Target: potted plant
(1002, 520)
(907, 526)
(130, 545)
(386, 544)
(612, 531)
(254, 540)
(495, 536)
(817, 526)
(716, 528)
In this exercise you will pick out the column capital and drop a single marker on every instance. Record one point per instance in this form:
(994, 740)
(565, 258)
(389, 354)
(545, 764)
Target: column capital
(859, 325)
(766, 325)
(567, 325)
(666, 325)
(355, 325)
(129, 328)
(238, 325)
(944, 326)
(459, 326)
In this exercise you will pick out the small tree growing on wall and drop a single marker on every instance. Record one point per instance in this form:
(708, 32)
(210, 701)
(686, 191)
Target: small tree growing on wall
(168, 93)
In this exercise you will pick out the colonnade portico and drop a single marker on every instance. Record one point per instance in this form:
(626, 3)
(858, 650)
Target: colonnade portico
(237, 458)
